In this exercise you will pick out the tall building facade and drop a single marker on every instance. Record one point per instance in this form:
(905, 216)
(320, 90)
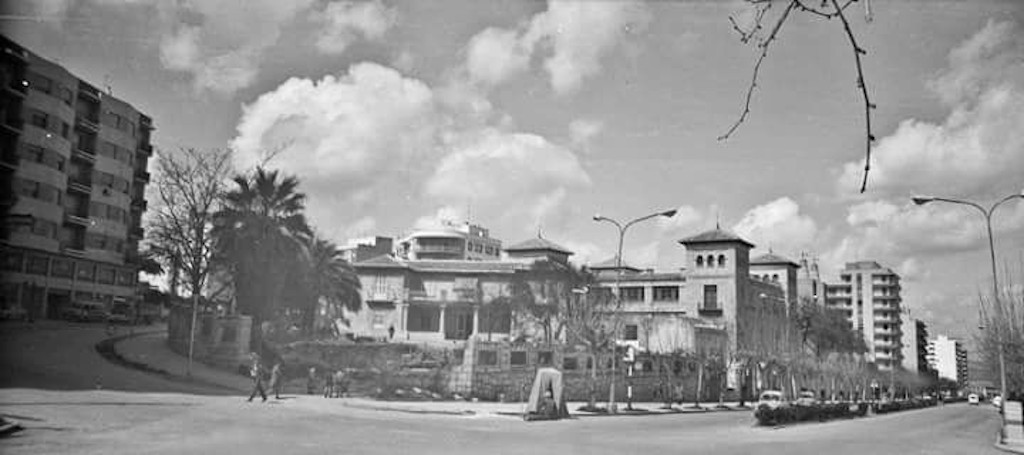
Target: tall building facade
(869, 295)
(948, 357)
(74, 163)
(809, 283)
(915, 346)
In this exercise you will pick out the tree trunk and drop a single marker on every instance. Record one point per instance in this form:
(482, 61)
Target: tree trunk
(700, 385)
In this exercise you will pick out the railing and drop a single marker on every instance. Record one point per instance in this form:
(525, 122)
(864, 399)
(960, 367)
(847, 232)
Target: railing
(439, 249)
(142, 175)
(86, 123)
(710, 312)
(77, 219)
(85, 154)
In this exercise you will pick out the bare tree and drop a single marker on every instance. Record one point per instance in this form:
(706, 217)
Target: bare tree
(189, 186)
(826, 10)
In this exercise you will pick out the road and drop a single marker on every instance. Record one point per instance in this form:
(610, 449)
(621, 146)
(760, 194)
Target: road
(56, 355)
(68, 418)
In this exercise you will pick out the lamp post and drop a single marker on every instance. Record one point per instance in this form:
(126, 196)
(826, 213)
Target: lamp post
(922, 200)
(618, 279)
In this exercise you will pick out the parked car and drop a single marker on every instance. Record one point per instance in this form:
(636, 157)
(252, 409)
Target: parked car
(997, 401)
(770, 399)
(972, 399)
(13, 313)
(120, 314)
(84, 311)
(806, 398)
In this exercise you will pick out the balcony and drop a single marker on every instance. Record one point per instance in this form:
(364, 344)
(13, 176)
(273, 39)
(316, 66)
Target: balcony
(136, 232)
(384, 295)
(710, 312)
(84, 123)
(14, 124)
(142, 176)
(453, 249)
(88, 92)
(74, 251)
(83, 154)
(17, 86)
(140, 204)
(80, 185)
(146, 149)
(77, 219)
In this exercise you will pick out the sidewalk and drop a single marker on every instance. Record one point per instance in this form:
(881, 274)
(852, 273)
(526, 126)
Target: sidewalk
(1014, 442)
(150, 349)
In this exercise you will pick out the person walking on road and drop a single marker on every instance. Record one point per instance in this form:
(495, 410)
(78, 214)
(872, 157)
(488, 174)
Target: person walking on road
(311, 381)
(257, 371)
(276, 380)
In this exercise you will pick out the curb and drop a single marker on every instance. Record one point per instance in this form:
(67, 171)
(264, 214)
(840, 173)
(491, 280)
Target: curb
(1005, 448)
(415, 411)
(107, 348)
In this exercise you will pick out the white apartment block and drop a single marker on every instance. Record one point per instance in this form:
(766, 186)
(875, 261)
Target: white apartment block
(949, 357)
(869, 295)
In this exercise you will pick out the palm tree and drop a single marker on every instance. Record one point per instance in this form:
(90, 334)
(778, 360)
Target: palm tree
(260, 232)
(331, 280)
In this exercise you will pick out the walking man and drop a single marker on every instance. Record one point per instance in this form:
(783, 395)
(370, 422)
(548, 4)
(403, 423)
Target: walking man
(276, 380)
(256, 371)
(311, 381)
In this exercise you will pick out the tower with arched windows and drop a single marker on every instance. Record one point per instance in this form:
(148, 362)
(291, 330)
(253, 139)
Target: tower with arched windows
(717, 278)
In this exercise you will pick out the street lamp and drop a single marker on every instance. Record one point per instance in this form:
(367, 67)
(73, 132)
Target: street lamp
(922, 200)
(618, 279)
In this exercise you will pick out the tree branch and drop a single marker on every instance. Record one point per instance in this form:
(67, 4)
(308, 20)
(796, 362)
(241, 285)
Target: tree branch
(757, 68)
(868, 105)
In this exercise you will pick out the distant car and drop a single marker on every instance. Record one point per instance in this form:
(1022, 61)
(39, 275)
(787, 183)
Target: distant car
(84, 311)
(806, 398)
(972, 399)
(121, 314)
(770, 399)
(13, 313)
(997, 401)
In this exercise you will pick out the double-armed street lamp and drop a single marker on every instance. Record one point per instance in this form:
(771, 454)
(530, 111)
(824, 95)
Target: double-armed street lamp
(618, 279)
(987, 213)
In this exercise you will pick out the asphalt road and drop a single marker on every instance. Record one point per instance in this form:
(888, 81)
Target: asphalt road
(73, 417)
(57, 355)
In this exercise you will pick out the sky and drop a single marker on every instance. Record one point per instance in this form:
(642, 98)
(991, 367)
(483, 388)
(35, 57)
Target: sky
(532, 116)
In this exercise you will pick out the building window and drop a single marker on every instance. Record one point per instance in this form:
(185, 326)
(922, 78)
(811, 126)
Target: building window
(570, 363)
(39, 82)
(710, 297)
(423, 318)
(38, 118)
(545, 358)
(12, 261)
(38, 265)
(487, 358)
(518, 358)
(721, 260)
(126, 277)
(666, 293)
(700, 261)
(633, 294)
(632, 332)
(105, 275)
(711, 261)
(86, 271)
(775, 277)
(62, 268)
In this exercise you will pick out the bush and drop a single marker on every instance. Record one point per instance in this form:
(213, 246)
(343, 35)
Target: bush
(802, 413)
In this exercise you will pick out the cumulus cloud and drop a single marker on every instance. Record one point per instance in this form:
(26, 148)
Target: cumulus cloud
(348, 136)
(342, 23)
(346, 127)
(574, 35)
(507, 175)
(977, 148)
(581, 131)
(220, 44)
(778, 225)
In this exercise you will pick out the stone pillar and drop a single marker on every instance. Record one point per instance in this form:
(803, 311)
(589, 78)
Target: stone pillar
(476, 320)
(403, 311)
(441, 322)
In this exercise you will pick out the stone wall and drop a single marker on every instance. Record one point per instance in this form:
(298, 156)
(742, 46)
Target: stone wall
(505, 371)
(221, 341)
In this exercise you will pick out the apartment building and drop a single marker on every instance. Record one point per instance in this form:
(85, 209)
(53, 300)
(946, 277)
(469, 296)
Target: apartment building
(73, 164)
(948, 357)
(463, 241)
(869, 295)
(915, 346)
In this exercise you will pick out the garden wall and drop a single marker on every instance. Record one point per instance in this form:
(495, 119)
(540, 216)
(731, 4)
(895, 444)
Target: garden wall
(221, 341)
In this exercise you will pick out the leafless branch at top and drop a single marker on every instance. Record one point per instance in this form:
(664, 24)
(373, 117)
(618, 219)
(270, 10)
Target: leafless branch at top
(868, 105)
(757, 68)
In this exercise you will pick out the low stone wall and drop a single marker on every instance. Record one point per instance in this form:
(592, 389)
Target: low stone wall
(221, 341)
(505, 371)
